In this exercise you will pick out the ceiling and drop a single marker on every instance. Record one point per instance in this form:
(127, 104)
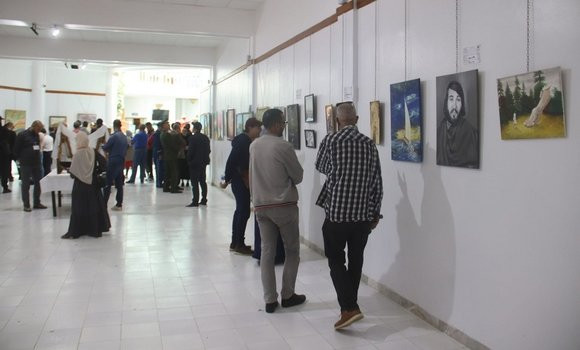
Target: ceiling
(233, 4)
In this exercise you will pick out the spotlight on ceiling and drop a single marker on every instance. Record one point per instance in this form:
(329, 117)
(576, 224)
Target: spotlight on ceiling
(55, 31)
(33, 28)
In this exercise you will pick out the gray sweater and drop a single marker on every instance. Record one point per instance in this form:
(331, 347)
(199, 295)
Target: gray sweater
(274, 172)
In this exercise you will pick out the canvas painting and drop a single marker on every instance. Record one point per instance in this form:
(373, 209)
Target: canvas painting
(231, 124)
(458, 120)
(220, 125)
(376, 121)
(17, 117)
(310, 138)
(205, 120)
(241, 119)
(55, 120)
(309, 109)
(406, 121)
(87, 117)
(330, 119)
(531, 105)
(293, 118)
(260, 112)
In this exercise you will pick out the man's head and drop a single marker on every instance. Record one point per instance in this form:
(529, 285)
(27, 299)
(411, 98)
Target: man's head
(77, 124)
(454, 104)
(36, 126)
(197, 127)
(346, 114)
(142, 127)
(85, 124)
(176, 127)
(164, 125)
(99, 122)
(253, 127)
(9, 126)
(116, 124)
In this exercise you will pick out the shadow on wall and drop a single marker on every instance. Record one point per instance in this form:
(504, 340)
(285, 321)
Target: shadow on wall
(424, 269)
(316, 213)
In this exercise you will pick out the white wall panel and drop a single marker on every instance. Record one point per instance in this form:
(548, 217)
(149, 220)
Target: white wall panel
(286, 87)
(11, 99)
(366, 70)
(71, 105)
(336, 73)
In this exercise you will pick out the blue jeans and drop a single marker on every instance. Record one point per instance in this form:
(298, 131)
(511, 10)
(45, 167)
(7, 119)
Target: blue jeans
(159, 170)
(115, 168)
(139, 158)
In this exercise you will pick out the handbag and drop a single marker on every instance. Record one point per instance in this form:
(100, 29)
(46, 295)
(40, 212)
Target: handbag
(99, 175)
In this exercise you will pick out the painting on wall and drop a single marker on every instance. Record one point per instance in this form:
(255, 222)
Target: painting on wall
(241, 119)
(205, 120)
(376, 121)
(17, 117)
(458, 120)
(293, 118)
(55, 120)
(330, 119)
(531, 105)
(310, 138)
(87, 117)
(309, 109)
(260, 112)
(231, 124)
(406, 121)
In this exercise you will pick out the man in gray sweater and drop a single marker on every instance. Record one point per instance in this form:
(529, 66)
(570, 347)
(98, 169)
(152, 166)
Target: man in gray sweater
(274, 174)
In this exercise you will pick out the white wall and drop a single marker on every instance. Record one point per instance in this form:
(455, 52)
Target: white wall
(493, 252)
(144, 105)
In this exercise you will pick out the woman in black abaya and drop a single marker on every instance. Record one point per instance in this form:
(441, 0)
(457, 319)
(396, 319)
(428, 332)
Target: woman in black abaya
(89, 214)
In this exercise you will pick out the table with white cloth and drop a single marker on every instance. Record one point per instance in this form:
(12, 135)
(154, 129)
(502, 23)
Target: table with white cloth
(54, 183)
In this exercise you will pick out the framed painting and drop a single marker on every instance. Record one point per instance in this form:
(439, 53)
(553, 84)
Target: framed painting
(220, 125)
(55, 120)
(241, 120)
(458, 120)
(293, 119)
(406, 121)
(260, 112)
(87, 117)
(310, 138)
(330, 119)
(531, 105)
(205, 120)
(231, 124)
(376, 121)
(17, 117)
(309, 109)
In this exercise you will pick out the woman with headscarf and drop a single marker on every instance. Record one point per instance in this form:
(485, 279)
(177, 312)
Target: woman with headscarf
(89, 214)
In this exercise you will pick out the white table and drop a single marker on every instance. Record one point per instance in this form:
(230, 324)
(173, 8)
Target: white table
(54, 182)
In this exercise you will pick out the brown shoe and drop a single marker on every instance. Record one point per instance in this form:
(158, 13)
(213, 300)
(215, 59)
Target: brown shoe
(347, 318)
(244, 250)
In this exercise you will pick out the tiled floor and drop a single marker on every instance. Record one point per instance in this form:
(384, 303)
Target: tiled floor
(163, 278)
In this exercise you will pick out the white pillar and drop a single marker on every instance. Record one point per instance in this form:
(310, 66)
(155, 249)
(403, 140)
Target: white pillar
(111, 98)
(38, 94)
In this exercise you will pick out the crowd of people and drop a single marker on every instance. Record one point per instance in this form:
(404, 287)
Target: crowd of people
(262, 169)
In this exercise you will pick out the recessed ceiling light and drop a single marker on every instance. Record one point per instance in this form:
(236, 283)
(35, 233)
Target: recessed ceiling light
(55, 31)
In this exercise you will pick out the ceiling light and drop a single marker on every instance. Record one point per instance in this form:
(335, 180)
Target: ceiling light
(11, 22)
(55, 31)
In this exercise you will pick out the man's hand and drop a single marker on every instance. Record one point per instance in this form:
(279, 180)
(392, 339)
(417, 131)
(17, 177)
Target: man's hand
(375, 221)
(224, 184)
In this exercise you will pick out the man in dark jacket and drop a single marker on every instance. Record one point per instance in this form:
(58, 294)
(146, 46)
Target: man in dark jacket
(7, 139)
(158, 155)
(27, 152)
(198, 158)
(172, 143)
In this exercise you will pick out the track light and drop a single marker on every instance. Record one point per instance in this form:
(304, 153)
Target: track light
(55, 31)
(33, 28)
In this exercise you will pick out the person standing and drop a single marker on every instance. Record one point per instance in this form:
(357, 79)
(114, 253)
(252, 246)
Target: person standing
(351, 198)
(150, 133)
(116, 147)
(139, 154)
(197, 159)
(158, 155)
(7, 139)
(236, 173)
(182, 163)
(172, 142)
(27, 152)
(274, 173)
(47, 145)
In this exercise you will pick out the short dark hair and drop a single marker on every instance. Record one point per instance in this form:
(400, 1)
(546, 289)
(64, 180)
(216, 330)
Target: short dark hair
(85, 124)
(117, 124)
(455, 86)
(197, 126)
(99, 122)
(77, 124)
(272, 117)
(251, 123)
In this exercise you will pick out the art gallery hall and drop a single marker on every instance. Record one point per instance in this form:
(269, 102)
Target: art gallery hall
(475, 250)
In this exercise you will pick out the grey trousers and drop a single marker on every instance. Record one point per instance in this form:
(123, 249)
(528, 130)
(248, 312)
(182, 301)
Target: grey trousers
(285, 221)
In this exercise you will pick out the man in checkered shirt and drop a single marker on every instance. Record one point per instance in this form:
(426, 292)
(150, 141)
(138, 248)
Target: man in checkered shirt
(351, 198)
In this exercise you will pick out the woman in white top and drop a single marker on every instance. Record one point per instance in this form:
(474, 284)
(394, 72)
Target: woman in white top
(46, 146)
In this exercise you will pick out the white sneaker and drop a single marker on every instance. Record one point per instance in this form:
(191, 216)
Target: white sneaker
(116, 208)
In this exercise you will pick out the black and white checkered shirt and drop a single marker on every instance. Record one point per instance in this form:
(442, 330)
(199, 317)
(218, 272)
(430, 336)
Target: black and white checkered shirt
(353, 190)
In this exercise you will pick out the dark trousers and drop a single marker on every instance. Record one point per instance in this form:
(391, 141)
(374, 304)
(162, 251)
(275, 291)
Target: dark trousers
(5, 170)
(150, 163)
(197, 176)
(346, 280)
(115, 175)
(159, 169)
(26, 173)
(242, 212)
(171, 175)
(139, 158)
(46, 162)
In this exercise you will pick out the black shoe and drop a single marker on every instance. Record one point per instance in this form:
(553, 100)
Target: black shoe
(192, 205)
(40, 206)
(130, 182)
(164, 190)
(295, 299)
(6, 190)
(27, 209)
(66, 236)
(232, 247)
(243, 250)
(203, 202)
(271, 307)
(177, 191)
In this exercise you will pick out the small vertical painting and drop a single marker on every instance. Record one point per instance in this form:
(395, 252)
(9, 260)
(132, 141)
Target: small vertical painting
(260, 112)
(205, 120)
(17, 117)
(531, 105)
(241, 120)
(330, 119)
(219, 130)
(310, 138)
(376, 122)
(231, 124)
(458, 120)
(309, 109)
(406, 121)
(293, 118)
